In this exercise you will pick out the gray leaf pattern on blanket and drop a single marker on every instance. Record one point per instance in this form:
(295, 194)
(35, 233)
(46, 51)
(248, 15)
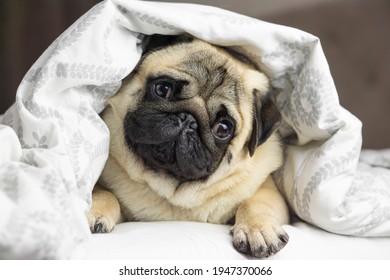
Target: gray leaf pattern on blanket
(9, 178)
(307, 92)
(74, 33)
(41, 111)
(40, 76)
(81, 71)
(82, 150)
(378, 198)
(103, 74)
(234, 19)
(99, 94)
(150, 19)
(308, 100)
(32, 139)
(35, 221)
(40, 141)
(326, 171)
(101, 81)
(108, 59)
(291, 57)
(46, 245)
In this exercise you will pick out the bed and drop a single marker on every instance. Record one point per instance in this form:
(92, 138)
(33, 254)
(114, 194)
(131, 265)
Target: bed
(55, 144)
(199, 241)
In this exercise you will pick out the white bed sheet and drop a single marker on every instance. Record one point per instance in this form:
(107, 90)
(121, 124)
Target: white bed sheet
(201, 241)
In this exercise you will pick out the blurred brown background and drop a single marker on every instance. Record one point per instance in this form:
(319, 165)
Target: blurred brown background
(355, 36)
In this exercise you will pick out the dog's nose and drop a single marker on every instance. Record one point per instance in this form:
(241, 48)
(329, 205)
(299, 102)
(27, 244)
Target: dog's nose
(187, 121)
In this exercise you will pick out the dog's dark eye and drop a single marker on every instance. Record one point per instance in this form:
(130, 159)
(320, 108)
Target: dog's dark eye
(163, 90)
(222, 130)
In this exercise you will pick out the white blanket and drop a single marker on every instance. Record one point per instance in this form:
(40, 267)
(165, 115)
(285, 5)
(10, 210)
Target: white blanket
(54, 145)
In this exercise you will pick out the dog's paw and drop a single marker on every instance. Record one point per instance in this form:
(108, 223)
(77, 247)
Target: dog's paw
(100, 224)
(105, 211)
(259, 240)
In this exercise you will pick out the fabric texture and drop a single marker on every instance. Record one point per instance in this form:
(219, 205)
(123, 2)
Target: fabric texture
(201, 241)
(54, 144)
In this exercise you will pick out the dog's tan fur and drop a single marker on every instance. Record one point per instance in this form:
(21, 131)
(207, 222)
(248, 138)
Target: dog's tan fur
(241, 187)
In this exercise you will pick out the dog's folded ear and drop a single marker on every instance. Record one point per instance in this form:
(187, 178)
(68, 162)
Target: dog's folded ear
(266, 118)
(157, 41)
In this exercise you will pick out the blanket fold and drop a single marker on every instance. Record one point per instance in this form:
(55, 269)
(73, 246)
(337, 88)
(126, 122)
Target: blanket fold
(54, 144)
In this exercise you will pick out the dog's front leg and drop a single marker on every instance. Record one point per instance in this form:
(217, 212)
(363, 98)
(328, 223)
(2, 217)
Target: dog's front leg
(257, 230)
(105, 211)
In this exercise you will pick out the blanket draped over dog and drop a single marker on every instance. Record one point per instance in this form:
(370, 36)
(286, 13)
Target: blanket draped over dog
(54, 145)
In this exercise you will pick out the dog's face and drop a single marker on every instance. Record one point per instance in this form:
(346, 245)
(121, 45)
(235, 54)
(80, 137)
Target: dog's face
(190, 106)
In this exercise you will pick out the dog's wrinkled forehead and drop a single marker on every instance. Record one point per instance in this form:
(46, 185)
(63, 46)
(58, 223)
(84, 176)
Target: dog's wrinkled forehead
(198, 64)
(208, 71)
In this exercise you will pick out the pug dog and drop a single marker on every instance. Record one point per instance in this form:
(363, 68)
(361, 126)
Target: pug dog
(194, 138)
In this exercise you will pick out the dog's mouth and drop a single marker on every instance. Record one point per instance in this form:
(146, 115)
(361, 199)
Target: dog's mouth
(170, 143)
